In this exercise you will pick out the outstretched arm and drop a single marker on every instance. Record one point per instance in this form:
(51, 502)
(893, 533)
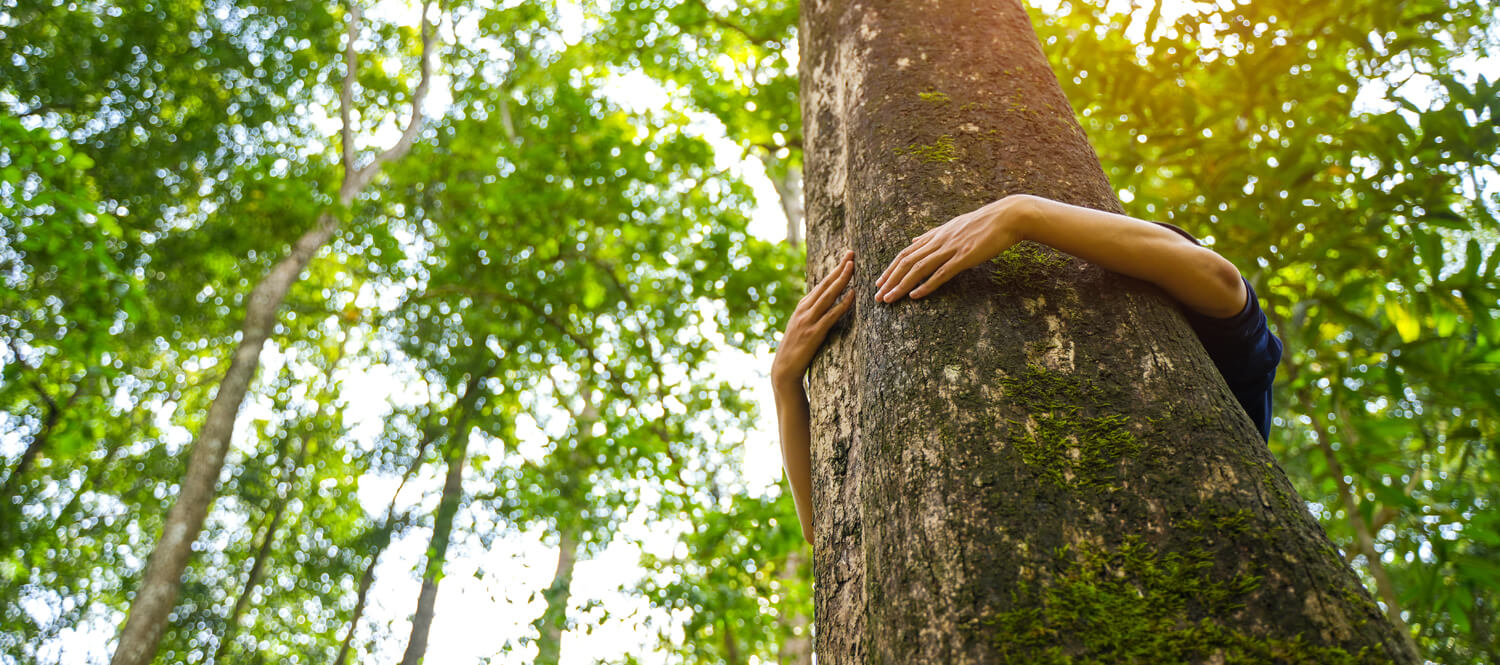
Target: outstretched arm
(1195, 276)
(809, 325)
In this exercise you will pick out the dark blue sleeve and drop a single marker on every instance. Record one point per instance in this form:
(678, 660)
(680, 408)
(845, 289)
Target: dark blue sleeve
(1246, 354)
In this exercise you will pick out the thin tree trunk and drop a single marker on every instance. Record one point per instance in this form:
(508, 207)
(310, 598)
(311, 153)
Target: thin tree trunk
(1363, 537)
(262, 554)
(1037, 462)
(796, 644)
(554, 618)
(731, 645)
(39, 440)
(382, 540)
(787, 180)
(162, 579)
(442, 529)
(365, 582)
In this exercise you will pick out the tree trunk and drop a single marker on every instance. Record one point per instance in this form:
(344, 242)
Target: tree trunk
(550, 625)
(162, 579)
(382, 541)
(796, 646)
(257, 569)
(1038, 462)
(787, 180)
(442, 528)
(39, 439)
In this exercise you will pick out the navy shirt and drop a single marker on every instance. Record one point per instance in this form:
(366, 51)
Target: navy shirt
(1243, 349)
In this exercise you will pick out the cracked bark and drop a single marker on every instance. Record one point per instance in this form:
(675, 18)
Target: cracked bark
(930, 522)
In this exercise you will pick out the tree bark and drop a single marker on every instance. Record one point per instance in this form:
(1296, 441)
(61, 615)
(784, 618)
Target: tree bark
(1038, 462)
(162, 579)
(550, 625)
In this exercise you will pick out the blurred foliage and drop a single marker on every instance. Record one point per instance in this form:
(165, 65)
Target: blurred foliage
(583, 264)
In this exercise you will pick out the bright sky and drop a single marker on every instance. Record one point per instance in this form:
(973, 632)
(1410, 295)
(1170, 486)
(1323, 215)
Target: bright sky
(491, 595)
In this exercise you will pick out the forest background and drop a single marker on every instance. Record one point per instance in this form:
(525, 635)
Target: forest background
(529, 364)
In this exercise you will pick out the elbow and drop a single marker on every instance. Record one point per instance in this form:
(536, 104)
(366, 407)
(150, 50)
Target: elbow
(1231, 285)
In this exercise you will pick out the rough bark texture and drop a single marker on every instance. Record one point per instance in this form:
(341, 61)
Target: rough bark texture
(550, 625)
(1038, 462)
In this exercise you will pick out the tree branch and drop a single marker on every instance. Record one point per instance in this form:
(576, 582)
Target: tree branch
(346, 93)
(414, 126)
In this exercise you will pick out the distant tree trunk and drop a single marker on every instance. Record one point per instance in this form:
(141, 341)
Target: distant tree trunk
(157, 594)
(257, 569)
(1038, 462)
(382, 540)
(731, 643)
(39, 440)
(787, 180)
(442, 528)
(1364, 537)
(796, 645)
(550, 625)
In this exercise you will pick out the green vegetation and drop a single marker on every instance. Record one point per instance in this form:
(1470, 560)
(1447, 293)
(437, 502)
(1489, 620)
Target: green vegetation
(1025, 261)
(1134, 604)
(1066, 446)
(941, 151)
(936, 97)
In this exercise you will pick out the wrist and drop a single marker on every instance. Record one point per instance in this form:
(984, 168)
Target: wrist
(1018, 213)
(784, 382)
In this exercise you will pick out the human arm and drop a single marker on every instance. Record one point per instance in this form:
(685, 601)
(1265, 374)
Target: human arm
(814, 316)
(1195, 276)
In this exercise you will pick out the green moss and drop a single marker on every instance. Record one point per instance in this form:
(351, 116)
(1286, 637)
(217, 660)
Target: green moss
(934, 97)
(1067, 447)
(942, 151)
(1025, 261)
(1135, 604)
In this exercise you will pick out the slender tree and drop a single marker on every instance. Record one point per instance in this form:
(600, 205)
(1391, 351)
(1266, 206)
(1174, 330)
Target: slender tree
(1036, 463)
(456, 455)
(160, 584)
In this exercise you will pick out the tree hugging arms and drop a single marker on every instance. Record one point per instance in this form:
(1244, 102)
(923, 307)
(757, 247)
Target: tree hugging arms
(1195, 276)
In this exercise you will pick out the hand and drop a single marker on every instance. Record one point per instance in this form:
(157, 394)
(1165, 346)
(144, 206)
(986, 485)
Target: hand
(810, 322)
(962, 243)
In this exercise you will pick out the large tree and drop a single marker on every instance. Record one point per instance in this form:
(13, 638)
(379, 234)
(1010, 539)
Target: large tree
(1038, 463)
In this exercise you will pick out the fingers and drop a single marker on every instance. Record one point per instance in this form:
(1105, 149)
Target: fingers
(834, 314)
(903, 265)
(921, 269)
(834, 285)
(916, 244)
(817, 290)
(943, 274)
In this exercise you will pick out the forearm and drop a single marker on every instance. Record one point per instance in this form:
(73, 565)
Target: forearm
(795, 423)
(1195, 276)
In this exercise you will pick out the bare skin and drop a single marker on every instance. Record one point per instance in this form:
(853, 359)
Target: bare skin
(1195, 276)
